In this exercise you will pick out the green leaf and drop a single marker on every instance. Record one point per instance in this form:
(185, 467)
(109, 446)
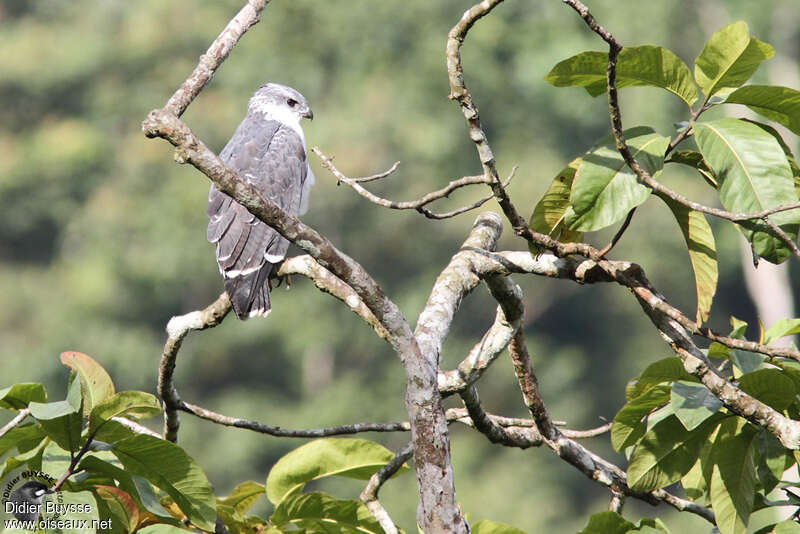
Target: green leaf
(787, 527)
(695, 482)
(636, 65)
(666, 370)
(136, 404)
(347, 457)
(96, 385)
(107, 464)
(321, 513)
(702, 254)
(782, 328)
(61, 422)
(667, 452)
(773, 460)
(548, 215)
(492, 527)
(627, 427)
(738, 328)
(607, 523)
(243, 496)
(734, 474)
(694, 159)
(693, 403)
(753, 175)
(605, 189)
(786, 151)
(647, 524)
(18, 396)
(729, 59)
(779, 104)
(770, 386)
(169, 468)
(20, 435)
(119, 506)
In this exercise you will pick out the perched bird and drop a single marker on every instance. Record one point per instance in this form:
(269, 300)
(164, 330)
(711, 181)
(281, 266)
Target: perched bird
(27, 500)
(268, 150)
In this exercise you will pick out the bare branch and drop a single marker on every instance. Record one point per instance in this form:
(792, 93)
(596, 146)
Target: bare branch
(418, 204)
(617, 502)
(214, 56)
(494, 432)
(23, 413)
(456, 281)
(328, 283)
(177, 329)
(261, 428)
(369, 496)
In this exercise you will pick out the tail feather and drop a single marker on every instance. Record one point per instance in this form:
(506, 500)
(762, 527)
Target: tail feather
(249, 293)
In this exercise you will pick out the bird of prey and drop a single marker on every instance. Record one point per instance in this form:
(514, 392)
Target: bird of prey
(267, 150)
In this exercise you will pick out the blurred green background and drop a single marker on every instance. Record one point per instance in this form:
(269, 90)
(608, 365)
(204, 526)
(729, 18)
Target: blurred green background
(102, 235)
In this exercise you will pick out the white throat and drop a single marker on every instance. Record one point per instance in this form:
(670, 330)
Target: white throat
(279, 113)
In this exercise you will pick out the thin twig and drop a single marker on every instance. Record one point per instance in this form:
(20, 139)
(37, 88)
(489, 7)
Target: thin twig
(369, 496)
(605, 250)
(417, 204)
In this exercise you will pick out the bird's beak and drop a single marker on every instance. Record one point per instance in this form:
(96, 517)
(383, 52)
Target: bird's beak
(308, 114)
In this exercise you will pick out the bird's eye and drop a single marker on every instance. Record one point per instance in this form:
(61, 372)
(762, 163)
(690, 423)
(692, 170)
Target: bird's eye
(292, 102)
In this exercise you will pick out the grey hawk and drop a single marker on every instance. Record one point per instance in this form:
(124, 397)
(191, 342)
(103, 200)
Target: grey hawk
(268, 150)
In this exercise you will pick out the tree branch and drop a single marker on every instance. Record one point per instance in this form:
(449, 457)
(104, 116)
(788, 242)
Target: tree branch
(177, 329)
(418, 204)
(325, 281)
(369, 496)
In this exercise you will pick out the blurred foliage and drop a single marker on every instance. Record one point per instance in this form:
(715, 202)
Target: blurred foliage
(103, 236)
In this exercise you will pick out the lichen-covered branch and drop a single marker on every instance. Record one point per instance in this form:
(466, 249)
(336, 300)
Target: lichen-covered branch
(325, 281)
(177, 329)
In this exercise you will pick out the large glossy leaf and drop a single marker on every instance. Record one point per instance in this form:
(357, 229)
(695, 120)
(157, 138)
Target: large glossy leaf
(347, 457)
(782, 328)
(734, 475)
(321, 513)
(770, 386)
(694, 159)
(548, 215)
(729, 59)
(753, 175)
(666, 370)
(780, 104)
(96, 385)
(667, 452)
(693, 403)
(627, 426)
(19, 436)
(702, 254)
(637, 65)
(243, 496)
(118, 506)
(60, 422)
(605, 189)
(137, 404)
(169, 468)
(18, 396)
(607, 523)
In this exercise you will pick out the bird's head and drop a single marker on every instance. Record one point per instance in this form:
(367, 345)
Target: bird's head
(281, 102)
